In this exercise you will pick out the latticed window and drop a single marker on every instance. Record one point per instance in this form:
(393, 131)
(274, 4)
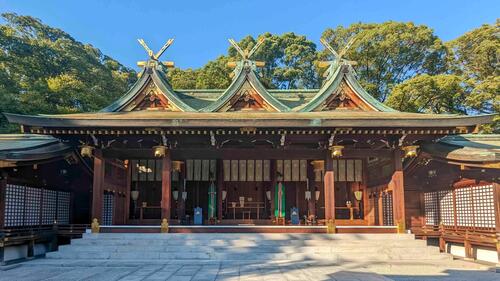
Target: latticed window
(468, 206)
(464, 207)
(63, 205)
(484, 206)
(29, 206)
(49, 199)
(446, 210)
(431, 208)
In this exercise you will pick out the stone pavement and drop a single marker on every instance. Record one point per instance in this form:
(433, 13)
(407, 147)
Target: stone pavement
(132, 270)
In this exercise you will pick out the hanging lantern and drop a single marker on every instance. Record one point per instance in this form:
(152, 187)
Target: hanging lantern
(318, 168)
(410, 150)
(336, 150)
(224, 195)
(160, 151)
(317, 194)
(177, 166)
(86, 150)
(268, 195)
(358, 195)
(134, 194)
(175, 194)
(308, 195)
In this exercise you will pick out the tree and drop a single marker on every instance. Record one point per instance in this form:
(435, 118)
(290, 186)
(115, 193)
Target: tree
(45, 70)
(389, 53)
(442, 93)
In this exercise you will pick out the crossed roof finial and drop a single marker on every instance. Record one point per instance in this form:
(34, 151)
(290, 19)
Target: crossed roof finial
(247, 54)
(154, 58)
(338, 60)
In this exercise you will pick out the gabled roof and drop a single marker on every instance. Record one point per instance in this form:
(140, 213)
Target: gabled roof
(245, 76)
(333, 87)
(156, 76)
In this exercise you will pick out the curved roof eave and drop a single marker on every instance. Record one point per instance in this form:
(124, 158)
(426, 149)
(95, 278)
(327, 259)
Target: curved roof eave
(242, 76)
(139, 85)
(332, 85)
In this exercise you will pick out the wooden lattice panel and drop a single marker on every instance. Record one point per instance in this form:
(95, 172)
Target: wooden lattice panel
(63, 207)
(484, 206)
(387, 209)
(431, 208)
(33, 197)
(446, 210)
(464, 207)
(14, 205)
(49, 209)
(107, 209)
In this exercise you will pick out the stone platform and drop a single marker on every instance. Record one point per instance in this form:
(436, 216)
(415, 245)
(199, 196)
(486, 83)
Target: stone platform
(228, 256)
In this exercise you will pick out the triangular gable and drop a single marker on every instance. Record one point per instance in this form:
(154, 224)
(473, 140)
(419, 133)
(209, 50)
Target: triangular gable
(150, 92)
(246, 93)
(343, 92)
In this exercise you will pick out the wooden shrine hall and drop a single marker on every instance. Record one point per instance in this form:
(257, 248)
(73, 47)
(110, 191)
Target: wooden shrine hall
(250, 155)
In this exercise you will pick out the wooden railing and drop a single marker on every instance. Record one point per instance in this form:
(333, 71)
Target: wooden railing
(468, 236)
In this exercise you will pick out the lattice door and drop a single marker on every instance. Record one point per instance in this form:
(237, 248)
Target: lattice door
(107, 208)
(484, 206)
(387, 208)
(14, 205)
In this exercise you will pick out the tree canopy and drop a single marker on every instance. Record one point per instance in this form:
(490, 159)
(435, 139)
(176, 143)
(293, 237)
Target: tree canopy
(45, 70)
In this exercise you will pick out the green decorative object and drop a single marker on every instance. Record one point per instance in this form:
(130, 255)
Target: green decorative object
(212, 206)
(279, 201)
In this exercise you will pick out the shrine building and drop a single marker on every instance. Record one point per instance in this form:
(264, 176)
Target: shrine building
(330, 159)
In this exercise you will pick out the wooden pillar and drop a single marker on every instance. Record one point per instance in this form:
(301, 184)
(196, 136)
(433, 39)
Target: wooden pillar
(398, 194)
(273, 185)
(3, 187)
(166, 186)
(496, 200)
(98, 185)
(311, 178)
(329, 186)
(220, 183)
(128, 188)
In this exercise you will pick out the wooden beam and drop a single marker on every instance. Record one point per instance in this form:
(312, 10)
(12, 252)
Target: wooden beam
(166, 187)
(329, 186)
(98, 185)
(397, 186)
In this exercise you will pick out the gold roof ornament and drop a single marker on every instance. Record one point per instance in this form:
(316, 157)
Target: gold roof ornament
(154, 58)
(338, 57)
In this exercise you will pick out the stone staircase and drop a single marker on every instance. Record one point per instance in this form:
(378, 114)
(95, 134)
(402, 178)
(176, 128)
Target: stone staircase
(336, 248)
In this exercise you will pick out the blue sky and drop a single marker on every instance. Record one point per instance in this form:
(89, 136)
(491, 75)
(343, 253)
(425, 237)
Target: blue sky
(201, 28)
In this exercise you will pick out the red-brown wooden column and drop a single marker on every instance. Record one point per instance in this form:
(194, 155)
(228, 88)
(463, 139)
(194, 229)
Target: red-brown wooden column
(398, 194)
(220, 183)
(311, 178)
(496, 200)
(166, 187)
(3, 187)
(128, 188)
(329, 185)
(98, 185)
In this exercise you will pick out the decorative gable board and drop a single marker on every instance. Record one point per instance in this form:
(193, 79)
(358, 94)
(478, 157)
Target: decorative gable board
(150, 97)
(246, 99)
(344, 98)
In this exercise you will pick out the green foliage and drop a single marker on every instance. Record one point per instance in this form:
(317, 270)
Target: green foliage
(389, 53)
(45, 70)
(442, 93)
